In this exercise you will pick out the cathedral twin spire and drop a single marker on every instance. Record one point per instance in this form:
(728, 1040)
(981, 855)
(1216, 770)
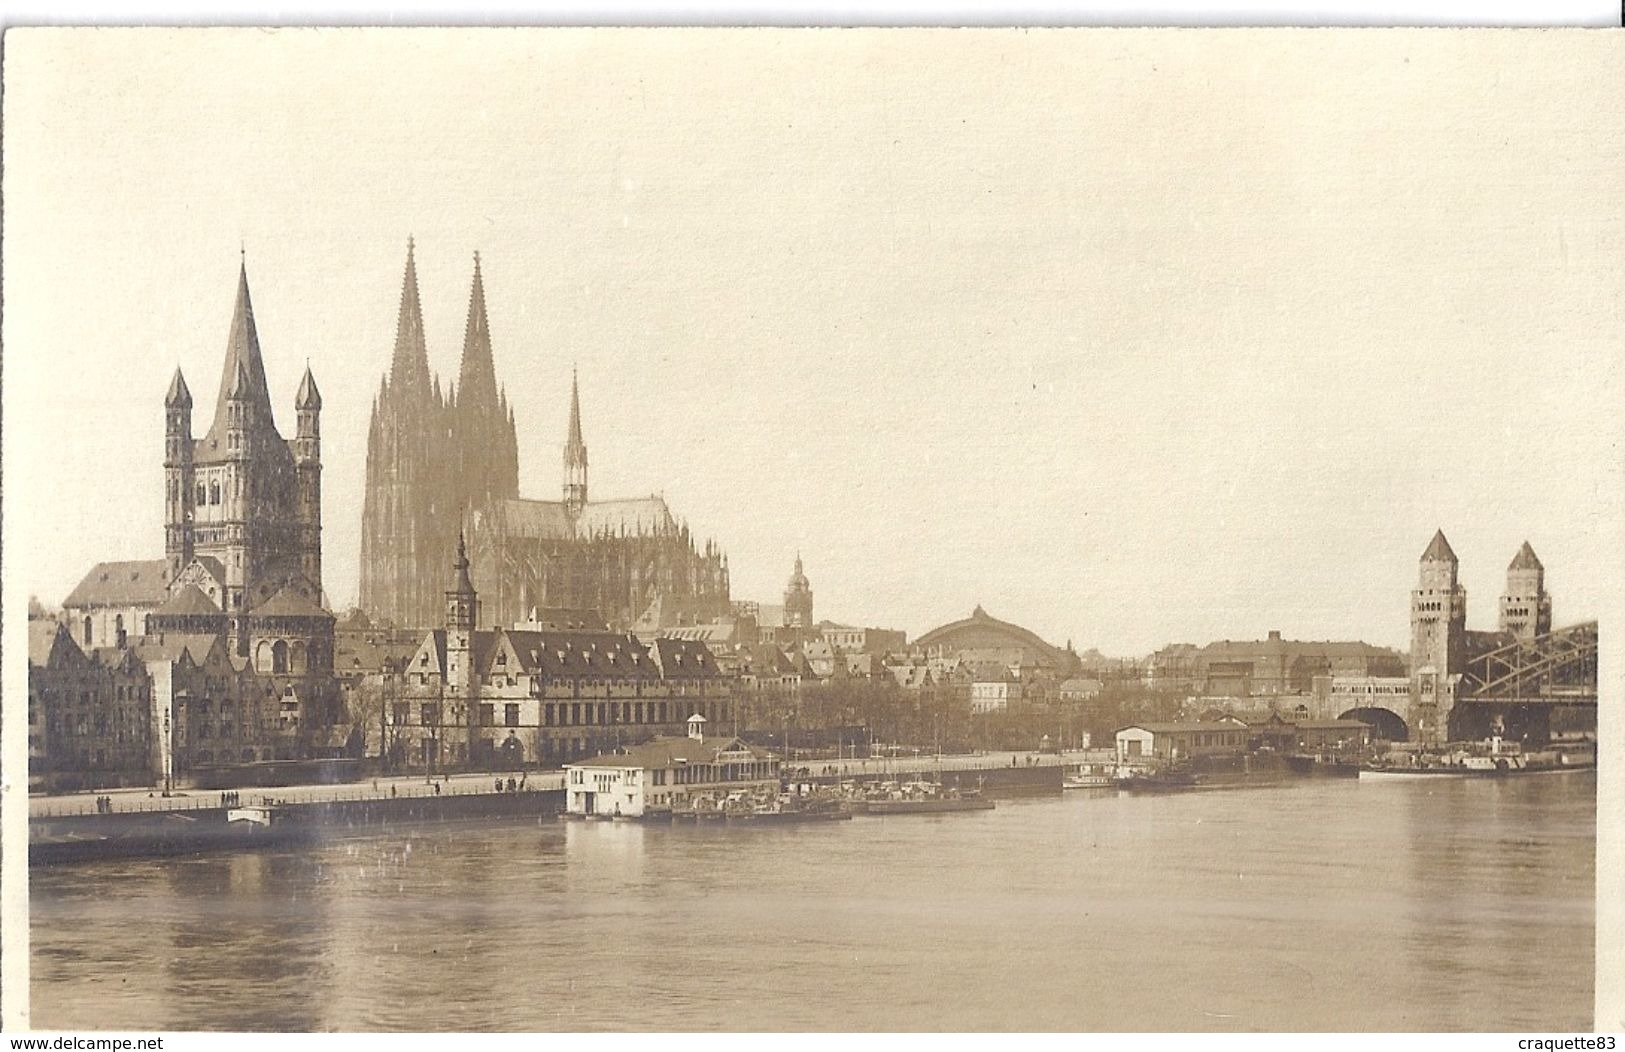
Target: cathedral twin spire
(432, 457)
(477, 379)
(410, 366)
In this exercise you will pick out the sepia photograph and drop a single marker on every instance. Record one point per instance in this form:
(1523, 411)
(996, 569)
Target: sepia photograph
(811, 530)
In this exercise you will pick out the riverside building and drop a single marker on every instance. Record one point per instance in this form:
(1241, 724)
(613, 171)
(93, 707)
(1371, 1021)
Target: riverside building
(669, 774)
(504, 697)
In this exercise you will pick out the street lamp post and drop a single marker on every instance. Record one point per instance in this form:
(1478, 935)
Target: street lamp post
(169, 752)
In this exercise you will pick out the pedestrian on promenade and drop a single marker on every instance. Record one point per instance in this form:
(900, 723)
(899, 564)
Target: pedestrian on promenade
(437, 788)
(499, 785)
(391, 790)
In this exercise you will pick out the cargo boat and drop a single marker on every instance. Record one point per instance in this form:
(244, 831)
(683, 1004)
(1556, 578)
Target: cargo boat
(1322, 764)
(928, 805)
(1476, 760)
(1164, 780)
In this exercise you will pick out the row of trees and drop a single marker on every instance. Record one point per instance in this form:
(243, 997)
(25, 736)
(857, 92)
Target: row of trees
(941, 717)
(823, 715)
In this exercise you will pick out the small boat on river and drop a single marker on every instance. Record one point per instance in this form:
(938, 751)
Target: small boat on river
(921, 798)
(1164, 779)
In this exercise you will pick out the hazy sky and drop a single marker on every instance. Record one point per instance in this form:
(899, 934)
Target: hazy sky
(1128, 336)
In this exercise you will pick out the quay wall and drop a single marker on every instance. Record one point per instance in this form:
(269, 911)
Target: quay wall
(150, 834)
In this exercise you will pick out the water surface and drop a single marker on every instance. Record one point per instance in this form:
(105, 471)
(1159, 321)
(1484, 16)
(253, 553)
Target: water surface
(1314, 905)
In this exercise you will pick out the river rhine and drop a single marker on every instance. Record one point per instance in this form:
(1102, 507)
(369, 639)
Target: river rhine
(1313, 905)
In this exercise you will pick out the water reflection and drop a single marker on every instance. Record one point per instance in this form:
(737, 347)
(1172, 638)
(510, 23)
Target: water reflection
(1502, 886)
(1317, 905)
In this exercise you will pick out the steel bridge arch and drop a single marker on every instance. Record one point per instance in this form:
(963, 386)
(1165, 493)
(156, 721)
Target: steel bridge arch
(1553, 667)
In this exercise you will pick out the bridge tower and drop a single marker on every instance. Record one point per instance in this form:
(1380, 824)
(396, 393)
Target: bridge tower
(1438, 641)
(1526, 609)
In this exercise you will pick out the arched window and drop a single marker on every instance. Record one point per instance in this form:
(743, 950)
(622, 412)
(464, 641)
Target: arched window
(279, 657)
(88, 639)
(202, 495)
(214, 492)
(262, 657)
(297, 659)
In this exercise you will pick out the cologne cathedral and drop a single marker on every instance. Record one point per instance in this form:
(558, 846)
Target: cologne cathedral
(443, 461)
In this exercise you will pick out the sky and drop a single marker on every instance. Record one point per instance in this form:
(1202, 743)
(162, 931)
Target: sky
(1130, 337)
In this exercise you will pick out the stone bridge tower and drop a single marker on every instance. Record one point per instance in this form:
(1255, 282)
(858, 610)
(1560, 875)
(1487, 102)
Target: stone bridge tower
(1438, 641)
(1526, 609)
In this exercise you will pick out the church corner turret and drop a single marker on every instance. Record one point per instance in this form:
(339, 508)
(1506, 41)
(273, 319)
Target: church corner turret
(177, 475)
(307, 458)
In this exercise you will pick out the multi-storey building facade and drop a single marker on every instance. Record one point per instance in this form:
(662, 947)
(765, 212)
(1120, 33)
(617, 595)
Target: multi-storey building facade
(89, 715)
(509, 696)
(1268, 667)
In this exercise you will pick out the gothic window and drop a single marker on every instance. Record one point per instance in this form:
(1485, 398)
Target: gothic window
(214, 492)
(279, 657)
(202, 495)
(87, 632)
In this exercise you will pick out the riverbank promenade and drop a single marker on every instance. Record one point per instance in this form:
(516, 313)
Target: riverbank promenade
(152, 799)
